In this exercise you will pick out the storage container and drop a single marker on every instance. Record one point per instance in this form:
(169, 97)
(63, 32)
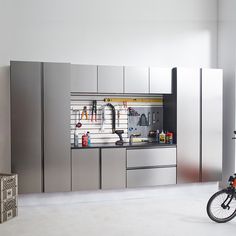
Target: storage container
(8, 196)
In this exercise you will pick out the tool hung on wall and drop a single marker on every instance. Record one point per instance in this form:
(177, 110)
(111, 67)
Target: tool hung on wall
(94, 111)
(132, 112)
(113, 116)
(143, 121)
(84, 113)
(78, 124)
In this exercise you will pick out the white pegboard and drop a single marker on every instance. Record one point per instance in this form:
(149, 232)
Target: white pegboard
(98, 135)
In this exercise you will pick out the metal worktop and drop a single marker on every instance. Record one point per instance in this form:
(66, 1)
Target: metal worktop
(125, 145)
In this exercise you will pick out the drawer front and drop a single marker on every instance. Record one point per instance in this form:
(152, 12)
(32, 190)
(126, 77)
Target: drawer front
(151, 157)
(151, 177)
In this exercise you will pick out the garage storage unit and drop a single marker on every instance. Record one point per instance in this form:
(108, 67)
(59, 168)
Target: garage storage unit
(195, 112)
(45, 161)
(40, 126)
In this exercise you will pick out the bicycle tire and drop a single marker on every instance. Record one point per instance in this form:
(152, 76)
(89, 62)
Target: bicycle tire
(212, 215)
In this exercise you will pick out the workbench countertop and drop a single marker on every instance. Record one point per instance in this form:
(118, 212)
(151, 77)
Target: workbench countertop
(125, 145)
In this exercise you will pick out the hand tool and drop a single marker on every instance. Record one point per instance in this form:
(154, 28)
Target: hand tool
(153, 118)
(102, 117)
(149, 118)
(94, 111)
(84, 113)
(132, 112)
(113, 117)
(118, 117)
(143, 120)
(78, 123)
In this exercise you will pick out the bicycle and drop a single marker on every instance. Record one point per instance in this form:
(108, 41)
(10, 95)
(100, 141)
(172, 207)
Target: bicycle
(221, 207)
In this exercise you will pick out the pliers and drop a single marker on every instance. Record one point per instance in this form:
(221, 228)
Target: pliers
(84, 113)
(94, 111)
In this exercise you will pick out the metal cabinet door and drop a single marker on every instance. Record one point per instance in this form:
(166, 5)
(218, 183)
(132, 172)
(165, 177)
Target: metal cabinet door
(85, 169)
(212, 122)
(160, 80)
(136, 79)
(26, 125)
(113, 168)
(110, 79)
(84, 78)
(57, 174)
(188, 125)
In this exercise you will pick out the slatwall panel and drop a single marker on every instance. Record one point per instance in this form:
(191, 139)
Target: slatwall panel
(97, 135)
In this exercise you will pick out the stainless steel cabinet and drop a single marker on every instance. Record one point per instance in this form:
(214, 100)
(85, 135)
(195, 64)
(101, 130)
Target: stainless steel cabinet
(195, 107)
(26, 125)
(110, 79)
(136, 79)
(113, 168)
(188, 125)
(151, 177)
(40, 103)
(160, 80)
(57, 175)
(84, 78)
(212, 121)
(85, 169)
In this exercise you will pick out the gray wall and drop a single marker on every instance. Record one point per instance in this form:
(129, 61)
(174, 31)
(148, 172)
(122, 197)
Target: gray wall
(227, 61)
(126, 32)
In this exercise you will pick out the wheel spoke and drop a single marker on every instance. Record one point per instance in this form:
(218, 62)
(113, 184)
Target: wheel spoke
(215, 210)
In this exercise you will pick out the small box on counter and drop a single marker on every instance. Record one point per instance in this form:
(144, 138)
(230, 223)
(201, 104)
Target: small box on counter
(8, 196)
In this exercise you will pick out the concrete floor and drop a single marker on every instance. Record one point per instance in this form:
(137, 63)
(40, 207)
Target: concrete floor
(173, 210)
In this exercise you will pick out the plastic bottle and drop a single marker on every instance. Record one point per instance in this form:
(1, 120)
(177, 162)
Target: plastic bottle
(157, 135)
(162, 137)
(171, 138)
(89, 138)
(84, 140)
(76, 137)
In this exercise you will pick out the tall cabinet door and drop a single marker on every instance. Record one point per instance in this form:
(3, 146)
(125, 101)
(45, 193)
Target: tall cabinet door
(26, 125)
(57, 172)
(212, 121)
(188, 125)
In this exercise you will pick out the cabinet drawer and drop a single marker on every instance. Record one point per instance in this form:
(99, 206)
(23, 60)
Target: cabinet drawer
(151, 177)
(151, 157)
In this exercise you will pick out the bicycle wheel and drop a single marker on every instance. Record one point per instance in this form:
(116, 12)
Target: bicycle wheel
(221, 207)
